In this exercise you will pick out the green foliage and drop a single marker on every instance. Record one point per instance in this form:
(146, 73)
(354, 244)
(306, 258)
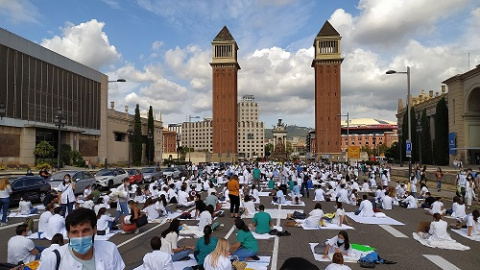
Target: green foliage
(77, 159)
(43, 165)
(137, 139)
(150, 142)
(268, 149)
(65, 154)
(440, 144)
(426, 140)
(44, 149)
(393, 152)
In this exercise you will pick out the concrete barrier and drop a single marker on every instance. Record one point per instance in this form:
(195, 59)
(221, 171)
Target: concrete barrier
(448, 178)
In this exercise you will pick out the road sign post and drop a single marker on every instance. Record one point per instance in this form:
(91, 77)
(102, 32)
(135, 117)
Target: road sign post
(408, 149)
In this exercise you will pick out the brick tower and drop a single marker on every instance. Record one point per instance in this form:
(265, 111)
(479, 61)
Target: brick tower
(327, 63)
(224, 96)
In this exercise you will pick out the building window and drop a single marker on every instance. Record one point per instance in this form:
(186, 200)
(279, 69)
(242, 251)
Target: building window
(119, 137)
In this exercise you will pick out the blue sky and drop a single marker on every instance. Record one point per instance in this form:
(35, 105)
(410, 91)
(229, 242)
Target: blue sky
(163, 49)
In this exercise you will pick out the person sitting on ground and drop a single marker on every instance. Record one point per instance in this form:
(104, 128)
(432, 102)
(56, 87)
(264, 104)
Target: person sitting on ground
(43, 220)
(183, 201)
(342, 195)
(366, 207)
(297, 201)
(319, 194)
(340, 216)
(219, 259)
(100, 204)
(206, 218)
(20, 248)
(246, 247)
(429, 200)
(254, 194)
(338, 244)
(387, 201)
(56, 224)
(248, 206)
(172, 195)
(89, 204)
(82, 251)
(279, 197)
(25, 206)
(437, 207)
(152, 209)
(337, 263)
(315, 217)
(170, 239)
(473, 224)
(294, 263)
(423, 191)
(199, 205)
(262, 221)
(410, 202)
(157, 260)
(51, 198)
(437, 230)
(105, 222)
(271, 183)
(212, 200)
(205, 245)
(56, 243)
(131, 219)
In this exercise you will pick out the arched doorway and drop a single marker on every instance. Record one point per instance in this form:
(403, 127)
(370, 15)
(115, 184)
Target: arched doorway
(472, 124)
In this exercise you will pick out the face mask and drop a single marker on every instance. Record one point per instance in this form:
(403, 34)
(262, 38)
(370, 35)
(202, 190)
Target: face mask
(340, 241)
(81, 244)
(180, 228)
(66, 180)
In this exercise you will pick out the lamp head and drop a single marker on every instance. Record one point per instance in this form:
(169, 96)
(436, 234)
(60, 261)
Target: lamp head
(391, 71)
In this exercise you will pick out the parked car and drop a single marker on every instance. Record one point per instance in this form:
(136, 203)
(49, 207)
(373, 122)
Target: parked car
(81, 179)
(135, 175)
(109, 178)
(173, 172)
(33, 187)
(151, 174)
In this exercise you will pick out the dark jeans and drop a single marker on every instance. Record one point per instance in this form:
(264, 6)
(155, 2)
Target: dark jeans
(4, 205)
(67, 207)
(305, 189)
(234, 203)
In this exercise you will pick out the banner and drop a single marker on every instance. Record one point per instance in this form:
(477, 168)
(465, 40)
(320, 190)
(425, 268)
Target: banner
(354, 152)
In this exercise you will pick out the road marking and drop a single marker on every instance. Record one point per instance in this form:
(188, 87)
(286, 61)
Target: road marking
(441, 262)
(230, 232)
(393, 231)
(276, 244)
(14, 225)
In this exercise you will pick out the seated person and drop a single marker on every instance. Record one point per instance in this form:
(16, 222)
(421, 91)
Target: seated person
(248, 206)
(338, 244)
(43, 220)
(219, 258)
(437, 207)
(89, 204)
(254, 193)
(20, 248)
(183, 201)
(342, 195)
(279, 197)
(387, 201)
(246, 247)
(271, 183)
(423, 191)
(294, 263)
(104, 222)
(262, 221)
(199, 205)
(410, 202)
(25, 206)
(429, 200)
(205, 245)
(315, 217)
(169, 240)
(319, 194)
(473, 224)
(337, 263)
(212, 200)
(206, 218)
(340, 216)
(437, 230)
(56, 224)
(57, 242)
(157, 259)
(366, 207)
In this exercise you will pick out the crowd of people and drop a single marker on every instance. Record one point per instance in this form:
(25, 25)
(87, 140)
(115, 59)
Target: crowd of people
(80, 218)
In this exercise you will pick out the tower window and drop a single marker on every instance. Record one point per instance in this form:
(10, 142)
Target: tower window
(223, 51)
(329, 47)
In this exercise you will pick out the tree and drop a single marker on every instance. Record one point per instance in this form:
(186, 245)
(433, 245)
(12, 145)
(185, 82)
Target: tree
(426, 139)
(268, 149)
(393, 152)
(150, 141)
(440, 144)
(44, 149)
(65, 153)
(137, 138)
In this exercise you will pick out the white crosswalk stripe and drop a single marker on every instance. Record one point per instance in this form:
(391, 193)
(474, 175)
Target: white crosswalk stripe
(441, 262)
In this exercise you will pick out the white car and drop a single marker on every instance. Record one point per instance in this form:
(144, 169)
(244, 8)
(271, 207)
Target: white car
(109, 178)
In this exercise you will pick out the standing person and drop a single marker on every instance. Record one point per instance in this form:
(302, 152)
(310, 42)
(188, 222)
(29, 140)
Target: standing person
(5, 191)
(439, 176)
(256, 175)
(218, 259)
(246, 246)
(83, 252)
(413, 184)
(461, 184)
(20, 248)
(234, 194)
(305, 184)
(205, 245)
(157, 260)
(169, 239)
(122, 205)
(66, 194)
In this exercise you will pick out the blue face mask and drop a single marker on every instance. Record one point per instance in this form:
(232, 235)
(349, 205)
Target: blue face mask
(340, 241)
(180, 228)
(81, 244)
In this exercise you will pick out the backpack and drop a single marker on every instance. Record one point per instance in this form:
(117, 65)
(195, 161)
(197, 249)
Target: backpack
(299, 215)
(371, 257)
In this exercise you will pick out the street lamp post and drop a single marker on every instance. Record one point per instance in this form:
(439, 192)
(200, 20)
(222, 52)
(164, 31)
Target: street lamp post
(60, 121)
(130, 133)
(408, 111)
(419, 135)
(348, 132)
(189, 135)
(150, 139)
(118, 80)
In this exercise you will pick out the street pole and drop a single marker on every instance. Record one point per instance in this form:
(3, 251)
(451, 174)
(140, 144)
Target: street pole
(60, 121)
(189, 135)
(348, 133)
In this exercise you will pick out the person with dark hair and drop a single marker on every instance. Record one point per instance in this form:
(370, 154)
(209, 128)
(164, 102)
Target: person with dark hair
(234, 194)
(56, 243)
(122, 205)
(104, 222)
(473, 223)
(337, 263)
(340, 216)
(56, 224)
(295, 263)
(204, 246)
(170, 239)
(20, 248)
(338, 244)
(199, 205)
(66, 194)
(315, 217)
(43, 220)
(262, 221)
(82, 251)
(157, 260)
(206, 218)
(246, 246)
(366, 207)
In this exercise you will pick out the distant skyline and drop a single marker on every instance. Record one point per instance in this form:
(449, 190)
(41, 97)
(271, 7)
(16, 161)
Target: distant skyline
(163, 49)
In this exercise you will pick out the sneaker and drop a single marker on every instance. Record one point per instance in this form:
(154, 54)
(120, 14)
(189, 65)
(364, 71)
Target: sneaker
(255, 257)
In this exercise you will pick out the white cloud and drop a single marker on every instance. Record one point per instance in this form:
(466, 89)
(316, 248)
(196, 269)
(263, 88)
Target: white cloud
(112, 3)
(157, 45)
(18, 11)
(85, 43)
